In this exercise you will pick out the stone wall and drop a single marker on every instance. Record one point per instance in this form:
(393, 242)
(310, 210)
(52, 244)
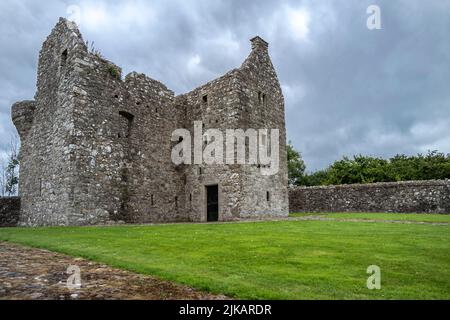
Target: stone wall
(9, 211)
(401, 197)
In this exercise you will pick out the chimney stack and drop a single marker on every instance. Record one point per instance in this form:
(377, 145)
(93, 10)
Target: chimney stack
(259, 44)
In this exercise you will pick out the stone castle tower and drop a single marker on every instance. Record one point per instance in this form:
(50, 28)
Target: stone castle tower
(97, 149)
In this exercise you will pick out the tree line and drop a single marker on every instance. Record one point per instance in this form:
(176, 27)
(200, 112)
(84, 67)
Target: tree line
(365, 169)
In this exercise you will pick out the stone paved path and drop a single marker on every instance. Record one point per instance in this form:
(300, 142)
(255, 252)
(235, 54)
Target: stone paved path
(27, 274)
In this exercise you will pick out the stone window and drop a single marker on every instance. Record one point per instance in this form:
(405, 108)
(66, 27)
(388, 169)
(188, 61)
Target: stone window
(152, 200)
(124, 175)
(176, 202)
(190, 197)
(126, 123)
(64, 56)
(200, 171)
(205, 99)
(262, 98)
(268, 196)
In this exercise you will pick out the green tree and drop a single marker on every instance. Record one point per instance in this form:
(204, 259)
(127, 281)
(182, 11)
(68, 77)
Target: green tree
(296, 165)
(12, 176)
(317, 178)
(365, 169)
(9, 175)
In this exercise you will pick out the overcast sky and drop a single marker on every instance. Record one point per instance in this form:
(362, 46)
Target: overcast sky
(349, 90)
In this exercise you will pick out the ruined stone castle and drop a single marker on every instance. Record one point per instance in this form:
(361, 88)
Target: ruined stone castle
(96, 148)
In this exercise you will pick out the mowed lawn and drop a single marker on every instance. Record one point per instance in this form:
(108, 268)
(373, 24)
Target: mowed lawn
(269, 260)
(414, 217)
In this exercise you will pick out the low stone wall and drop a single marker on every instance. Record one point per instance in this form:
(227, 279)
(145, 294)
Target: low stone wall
(402, 197)
(9, 211)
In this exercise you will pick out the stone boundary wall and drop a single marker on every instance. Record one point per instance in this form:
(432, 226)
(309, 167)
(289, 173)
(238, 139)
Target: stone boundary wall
(9, 211)
(400, 197)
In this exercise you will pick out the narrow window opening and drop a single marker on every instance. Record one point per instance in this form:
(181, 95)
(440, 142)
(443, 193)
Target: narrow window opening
(262, 98)
(268, 196)
(205, 99)
(200, 171)
(126, 124)
(190, 197)
(153, 200)
(124, 176)
(176, 202)
(64, 56)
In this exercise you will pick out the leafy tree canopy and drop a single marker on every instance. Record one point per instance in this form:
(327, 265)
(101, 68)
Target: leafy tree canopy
(365, 169)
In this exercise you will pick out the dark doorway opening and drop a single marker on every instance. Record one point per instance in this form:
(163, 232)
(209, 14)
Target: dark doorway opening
(212, 203)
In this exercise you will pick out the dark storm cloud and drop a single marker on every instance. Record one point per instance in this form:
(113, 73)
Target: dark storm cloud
(348, 90)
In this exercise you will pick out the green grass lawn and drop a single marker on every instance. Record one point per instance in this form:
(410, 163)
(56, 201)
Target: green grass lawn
(268, 260)
(415, 217)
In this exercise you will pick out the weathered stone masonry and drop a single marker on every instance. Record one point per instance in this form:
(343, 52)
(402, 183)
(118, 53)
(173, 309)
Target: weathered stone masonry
(9, 211)
(400, 197)
(97, 149)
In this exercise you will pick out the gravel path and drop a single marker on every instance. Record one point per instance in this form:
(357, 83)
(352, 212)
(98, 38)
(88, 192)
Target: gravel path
(28, 274)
